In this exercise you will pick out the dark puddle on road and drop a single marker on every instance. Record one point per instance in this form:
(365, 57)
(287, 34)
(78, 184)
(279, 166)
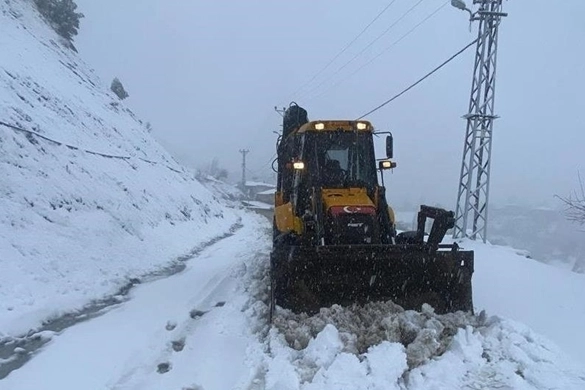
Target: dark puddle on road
(17, 351)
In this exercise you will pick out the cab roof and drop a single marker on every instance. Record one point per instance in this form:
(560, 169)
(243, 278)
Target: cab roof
(336, 125)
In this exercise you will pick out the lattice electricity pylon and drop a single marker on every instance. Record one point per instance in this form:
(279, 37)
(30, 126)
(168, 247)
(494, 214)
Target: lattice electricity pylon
(474, 183)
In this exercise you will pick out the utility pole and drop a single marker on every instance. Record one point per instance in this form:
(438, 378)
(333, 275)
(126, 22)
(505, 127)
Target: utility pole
(244, 153)
(473, 196)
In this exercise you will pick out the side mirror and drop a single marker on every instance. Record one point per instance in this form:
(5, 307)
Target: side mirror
(389, 146)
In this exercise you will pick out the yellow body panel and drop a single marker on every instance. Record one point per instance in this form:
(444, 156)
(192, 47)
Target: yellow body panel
(285, 219)
(346, 197)
(335, 125)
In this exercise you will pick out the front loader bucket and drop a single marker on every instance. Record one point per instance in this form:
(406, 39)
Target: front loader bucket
(305, 279)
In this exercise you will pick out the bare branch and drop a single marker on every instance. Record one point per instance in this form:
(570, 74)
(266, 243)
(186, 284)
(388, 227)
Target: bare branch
(575, 204)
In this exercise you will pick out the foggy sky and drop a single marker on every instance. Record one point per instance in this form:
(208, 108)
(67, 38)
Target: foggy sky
(207, 75)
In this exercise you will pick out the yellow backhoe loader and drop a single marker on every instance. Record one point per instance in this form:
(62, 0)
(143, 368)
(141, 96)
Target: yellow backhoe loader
(334, 235)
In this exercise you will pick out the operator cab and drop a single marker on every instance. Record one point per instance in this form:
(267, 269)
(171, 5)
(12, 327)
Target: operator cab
(338, 159)
(335, 181)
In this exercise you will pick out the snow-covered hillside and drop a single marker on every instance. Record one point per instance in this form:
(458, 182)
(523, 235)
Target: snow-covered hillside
(88, 199)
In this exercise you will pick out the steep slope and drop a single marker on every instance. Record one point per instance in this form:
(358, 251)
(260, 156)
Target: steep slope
(88, 199)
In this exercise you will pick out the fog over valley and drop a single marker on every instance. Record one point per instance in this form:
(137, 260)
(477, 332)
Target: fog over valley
(207, 76)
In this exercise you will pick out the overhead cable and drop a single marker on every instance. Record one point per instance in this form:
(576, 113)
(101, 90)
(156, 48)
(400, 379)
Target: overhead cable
(368, 46)
(386, 49)
(347, 46)
(420, 80)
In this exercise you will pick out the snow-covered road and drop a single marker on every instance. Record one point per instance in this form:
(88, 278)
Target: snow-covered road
(172, 333)
(206, 328)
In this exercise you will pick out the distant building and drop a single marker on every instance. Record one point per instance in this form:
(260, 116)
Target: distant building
(266, 196)
(253, 188)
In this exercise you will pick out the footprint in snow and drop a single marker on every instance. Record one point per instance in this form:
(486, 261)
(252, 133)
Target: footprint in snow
(163, 368)
(171, 325)
(178, 345)
(197, 313)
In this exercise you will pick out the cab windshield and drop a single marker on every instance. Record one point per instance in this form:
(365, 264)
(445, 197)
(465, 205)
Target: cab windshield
(340, 159)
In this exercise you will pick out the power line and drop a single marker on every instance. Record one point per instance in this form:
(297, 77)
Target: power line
(263, 166)
(401, 18)
(386, 49)
(73, 147)
(347, 46)
(260, 129)
(420, 80)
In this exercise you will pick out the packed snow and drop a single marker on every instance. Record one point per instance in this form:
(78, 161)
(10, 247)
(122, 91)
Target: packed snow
(207, 328)
(186, 331)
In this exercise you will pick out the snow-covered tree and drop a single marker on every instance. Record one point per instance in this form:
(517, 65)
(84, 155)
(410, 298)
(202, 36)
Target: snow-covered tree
(118, 89)
(62, 16)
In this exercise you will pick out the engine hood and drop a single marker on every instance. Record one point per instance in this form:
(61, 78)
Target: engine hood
(348, 201)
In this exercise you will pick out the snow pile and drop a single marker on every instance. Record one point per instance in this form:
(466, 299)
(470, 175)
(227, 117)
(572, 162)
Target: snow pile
(381, 346)
(424, 334)
(88, 199)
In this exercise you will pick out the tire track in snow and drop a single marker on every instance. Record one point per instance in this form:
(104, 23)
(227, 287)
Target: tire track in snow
(15, 352)
(124, 348)
(178, 331)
